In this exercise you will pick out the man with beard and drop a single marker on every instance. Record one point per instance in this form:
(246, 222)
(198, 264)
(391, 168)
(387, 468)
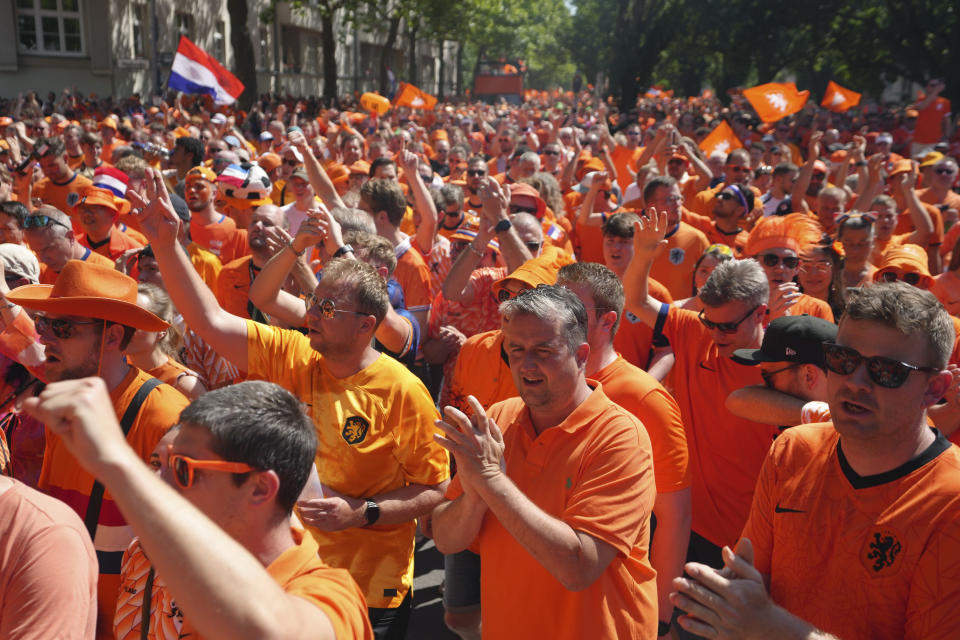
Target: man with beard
(233, 283)
(212, 230)
(730, 205)
(84, 322)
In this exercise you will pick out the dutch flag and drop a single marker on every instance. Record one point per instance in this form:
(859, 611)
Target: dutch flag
(196, 71)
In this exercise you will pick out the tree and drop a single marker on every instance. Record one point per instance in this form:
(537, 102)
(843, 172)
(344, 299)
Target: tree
(244, 66)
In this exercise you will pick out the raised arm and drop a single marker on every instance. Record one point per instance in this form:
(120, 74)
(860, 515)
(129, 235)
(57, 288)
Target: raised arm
(806, 173)
(871, 189)
(225, 332)
(762, 404)
(427, 229)
(319, 180)
(922, 222)
(648, 236)
(495, 210)
(586, 216)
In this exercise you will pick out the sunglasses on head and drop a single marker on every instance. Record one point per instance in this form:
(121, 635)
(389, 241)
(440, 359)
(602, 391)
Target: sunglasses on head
(476, 173)
(326, 307)
(38, 221)
(63, 328)
(724, 327)
(772, 260)
(183, 468)
(886, 372)
(912, 279)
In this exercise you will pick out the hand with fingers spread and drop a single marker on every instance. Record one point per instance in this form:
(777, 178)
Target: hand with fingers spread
(649, 233)
(158, 220)
(475, 442)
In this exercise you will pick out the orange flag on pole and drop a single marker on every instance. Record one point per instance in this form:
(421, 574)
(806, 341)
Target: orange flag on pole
(410, 96)
(721, 139)
(776, 100)
(839, 98)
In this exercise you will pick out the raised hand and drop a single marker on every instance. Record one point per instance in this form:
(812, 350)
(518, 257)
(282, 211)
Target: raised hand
(650, 233)
(159, 222)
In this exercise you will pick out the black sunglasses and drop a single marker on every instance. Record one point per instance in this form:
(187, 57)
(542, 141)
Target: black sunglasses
(726, 195)
(944, 171)
(885, 372)
(725, 327)
(38, 221)
(518, 209)
(476, 172)
(772, 260)
(533, 246)
(61, 327)
(912, 279)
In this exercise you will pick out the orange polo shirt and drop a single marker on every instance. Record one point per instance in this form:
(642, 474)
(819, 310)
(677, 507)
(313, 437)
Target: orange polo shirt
(634, 338)
(726, 451)
(116, 246)
(594, 472)
(880, 552)
(674, 263)
(481, 371)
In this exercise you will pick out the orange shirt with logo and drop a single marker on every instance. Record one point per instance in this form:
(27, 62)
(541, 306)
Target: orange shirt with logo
(634, 338)
(594, 472)
(673, 265)
(879, 552)
(726, 452)
(58, 194)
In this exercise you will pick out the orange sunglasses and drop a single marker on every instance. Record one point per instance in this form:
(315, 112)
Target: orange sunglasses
(183, 468)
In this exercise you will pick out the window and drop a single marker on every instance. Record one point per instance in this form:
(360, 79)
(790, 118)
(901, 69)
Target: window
(220, 42)
(139, 13)
(49, 26)
(265, 50)
(183, 22)
(290, 37)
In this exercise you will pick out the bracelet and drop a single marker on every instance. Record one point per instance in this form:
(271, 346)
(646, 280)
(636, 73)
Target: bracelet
(474, 250)
(860, 163)
(663, 628)
(299, 254)
(343, 250)
(7, 306)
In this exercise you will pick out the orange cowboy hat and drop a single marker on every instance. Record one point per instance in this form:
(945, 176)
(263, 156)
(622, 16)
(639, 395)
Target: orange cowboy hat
(90, 291)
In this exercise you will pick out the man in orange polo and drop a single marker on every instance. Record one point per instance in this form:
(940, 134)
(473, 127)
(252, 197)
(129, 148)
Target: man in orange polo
(673, 267)
(98, 212)
(61, 185)
(558, 504)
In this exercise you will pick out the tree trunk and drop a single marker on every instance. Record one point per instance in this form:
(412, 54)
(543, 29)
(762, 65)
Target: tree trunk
(328, 41)
(387, 53)
(412, 55)
(443, 68)
(460, 68)
(244, 63)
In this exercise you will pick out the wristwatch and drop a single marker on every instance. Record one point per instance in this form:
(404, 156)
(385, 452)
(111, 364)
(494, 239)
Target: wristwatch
(342, 250)
(503, 225)
(372, 512)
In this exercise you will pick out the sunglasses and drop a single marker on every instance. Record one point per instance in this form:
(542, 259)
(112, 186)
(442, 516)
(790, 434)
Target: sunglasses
(291, 163)
(551, 153)
(633, 133)
(724, 327)
(63, 328)
(533, 246)
(505, 294)
(944, 171)
(39, 221)
(327, 307)
(768, 375)
(476, 173)
(772, 260)
(733, 167)
(726, 195)
(885, 372)
(518, 209)
(183, 468)
(675, 161)
(912, 279)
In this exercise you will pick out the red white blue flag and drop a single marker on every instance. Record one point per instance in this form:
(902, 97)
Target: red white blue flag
(196, 71)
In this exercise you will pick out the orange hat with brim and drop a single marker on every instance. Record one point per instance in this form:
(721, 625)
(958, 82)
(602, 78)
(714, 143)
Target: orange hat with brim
(95, 196)
(180, 132)
(592, 164)
(532, 273)
(469, 229)
(109, 122)
(360, 167)
(200, 173)
(905, 258)
(89, 290)
(269, 161)
(900, 166)
(338, 173)
(524, 189)
(5, 121)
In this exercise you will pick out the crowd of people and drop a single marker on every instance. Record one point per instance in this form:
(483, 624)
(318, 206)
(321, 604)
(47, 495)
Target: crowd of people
(247, 358)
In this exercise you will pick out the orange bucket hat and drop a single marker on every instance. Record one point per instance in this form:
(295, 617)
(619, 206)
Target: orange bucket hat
(903, 259)
(103, 197)
(90, 291)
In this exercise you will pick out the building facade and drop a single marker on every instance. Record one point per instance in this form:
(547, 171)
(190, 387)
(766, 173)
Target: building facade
(121, 47)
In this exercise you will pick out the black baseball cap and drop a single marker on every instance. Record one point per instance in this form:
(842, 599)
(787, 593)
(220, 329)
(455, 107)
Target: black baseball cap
(797, 339)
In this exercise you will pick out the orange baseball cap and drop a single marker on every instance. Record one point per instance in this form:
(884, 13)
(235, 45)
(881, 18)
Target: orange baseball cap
(200, 173)
(269, 161)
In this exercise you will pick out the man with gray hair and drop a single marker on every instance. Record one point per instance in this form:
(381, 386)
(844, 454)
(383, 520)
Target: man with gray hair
(863, 511)
(726, 452)
(560, 506)
(49, 232)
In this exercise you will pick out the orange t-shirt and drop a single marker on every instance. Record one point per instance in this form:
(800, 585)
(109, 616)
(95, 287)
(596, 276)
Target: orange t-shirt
(624, 158)
(63, 478)
(639, 393)
(634, 338)
(590, 242)
(811, 306)
(594, 472)
(726, 451)
(375, 432)
(481, 371)
(221, 238)
(929, 129)
(118, 244)
(233, 286)
(58, 195)
(206, 264)
(673, 265)
(301, 573)
(905, 222)
(49, 276)
(879, 551)
(49, 568)
(413, 274)
(946, 288)
(736, 240)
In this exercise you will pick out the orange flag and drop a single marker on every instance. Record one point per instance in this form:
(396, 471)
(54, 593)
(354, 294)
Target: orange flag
(721, 139)
(839, 98)
(410, 96)
(776, 100)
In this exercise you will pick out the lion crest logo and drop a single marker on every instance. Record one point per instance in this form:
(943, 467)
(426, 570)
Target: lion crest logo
(355, 430)
(676, 255)
(880, 552)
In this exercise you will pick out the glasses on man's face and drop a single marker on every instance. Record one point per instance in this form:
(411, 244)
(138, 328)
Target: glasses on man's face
(326, 307)
(675, 161)
(886, 372)
(633, 133)
(533, 246)
(911, 278)
(551, 152)
(726, 195)
(38, 221)
(476, 173)
(734, 168)
(290, 163)
(515, 208)
(63, 328)
(183, 468)
(772, 260)
(768, 375)
(505, 294)
(944, 171)
(725, 327)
